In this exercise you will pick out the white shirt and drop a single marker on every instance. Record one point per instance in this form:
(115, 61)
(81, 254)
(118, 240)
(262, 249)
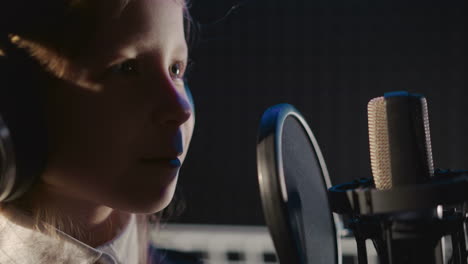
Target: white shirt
(123, 249)
(20, 243)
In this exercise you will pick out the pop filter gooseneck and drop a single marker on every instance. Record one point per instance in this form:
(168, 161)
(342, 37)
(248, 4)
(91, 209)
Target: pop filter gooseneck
(293, 181)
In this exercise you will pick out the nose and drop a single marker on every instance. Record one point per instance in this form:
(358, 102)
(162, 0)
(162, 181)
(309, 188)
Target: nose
(173, 107)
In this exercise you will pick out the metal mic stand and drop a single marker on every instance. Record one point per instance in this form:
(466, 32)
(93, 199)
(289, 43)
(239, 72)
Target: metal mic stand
(401, 221)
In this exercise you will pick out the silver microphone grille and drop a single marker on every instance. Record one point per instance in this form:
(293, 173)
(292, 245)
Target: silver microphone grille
(427, 132)
(379, 144)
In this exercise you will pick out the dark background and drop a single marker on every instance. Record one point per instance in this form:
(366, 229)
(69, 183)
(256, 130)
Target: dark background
(328, 58)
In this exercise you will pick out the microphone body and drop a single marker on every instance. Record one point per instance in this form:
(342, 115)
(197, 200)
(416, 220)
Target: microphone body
(408, 159)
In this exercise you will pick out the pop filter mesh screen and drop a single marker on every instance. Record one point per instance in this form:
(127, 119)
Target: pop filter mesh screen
(310, 217)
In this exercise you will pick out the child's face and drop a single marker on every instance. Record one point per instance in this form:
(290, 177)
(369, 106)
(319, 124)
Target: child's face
(113, 145)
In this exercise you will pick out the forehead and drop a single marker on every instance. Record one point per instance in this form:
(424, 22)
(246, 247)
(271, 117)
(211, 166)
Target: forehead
(141, 25)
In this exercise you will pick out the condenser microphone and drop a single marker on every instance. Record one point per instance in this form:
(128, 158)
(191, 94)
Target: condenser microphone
(407, 206)
(399, 140)
(401, 155)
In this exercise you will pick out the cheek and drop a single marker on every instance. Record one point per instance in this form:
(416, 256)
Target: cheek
(188, 129)
(93, 138)
(190, 126)
(93, 166)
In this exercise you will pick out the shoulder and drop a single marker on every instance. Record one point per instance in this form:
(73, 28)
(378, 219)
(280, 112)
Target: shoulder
(22, 242)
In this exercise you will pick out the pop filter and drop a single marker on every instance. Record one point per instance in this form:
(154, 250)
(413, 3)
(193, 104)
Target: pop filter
(293, 181)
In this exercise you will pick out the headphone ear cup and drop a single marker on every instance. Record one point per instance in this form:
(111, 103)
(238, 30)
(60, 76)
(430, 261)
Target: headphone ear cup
(24, 133)
(7, 162)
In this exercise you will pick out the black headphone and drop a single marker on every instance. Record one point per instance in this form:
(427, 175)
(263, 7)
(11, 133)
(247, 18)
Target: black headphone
(23, 135)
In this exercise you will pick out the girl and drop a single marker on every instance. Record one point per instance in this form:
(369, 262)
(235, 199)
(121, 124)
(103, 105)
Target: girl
(113, 123)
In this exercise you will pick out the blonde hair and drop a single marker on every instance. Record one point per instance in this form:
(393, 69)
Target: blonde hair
(54, 51)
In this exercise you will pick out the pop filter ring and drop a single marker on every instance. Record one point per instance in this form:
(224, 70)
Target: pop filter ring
(273, 188)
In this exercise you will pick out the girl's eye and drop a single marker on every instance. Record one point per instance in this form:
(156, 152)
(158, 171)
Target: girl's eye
(176, 70)
(128, 67)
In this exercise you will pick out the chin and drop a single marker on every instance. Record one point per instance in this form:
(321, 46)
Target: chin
(147, 201)
(161, 203)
